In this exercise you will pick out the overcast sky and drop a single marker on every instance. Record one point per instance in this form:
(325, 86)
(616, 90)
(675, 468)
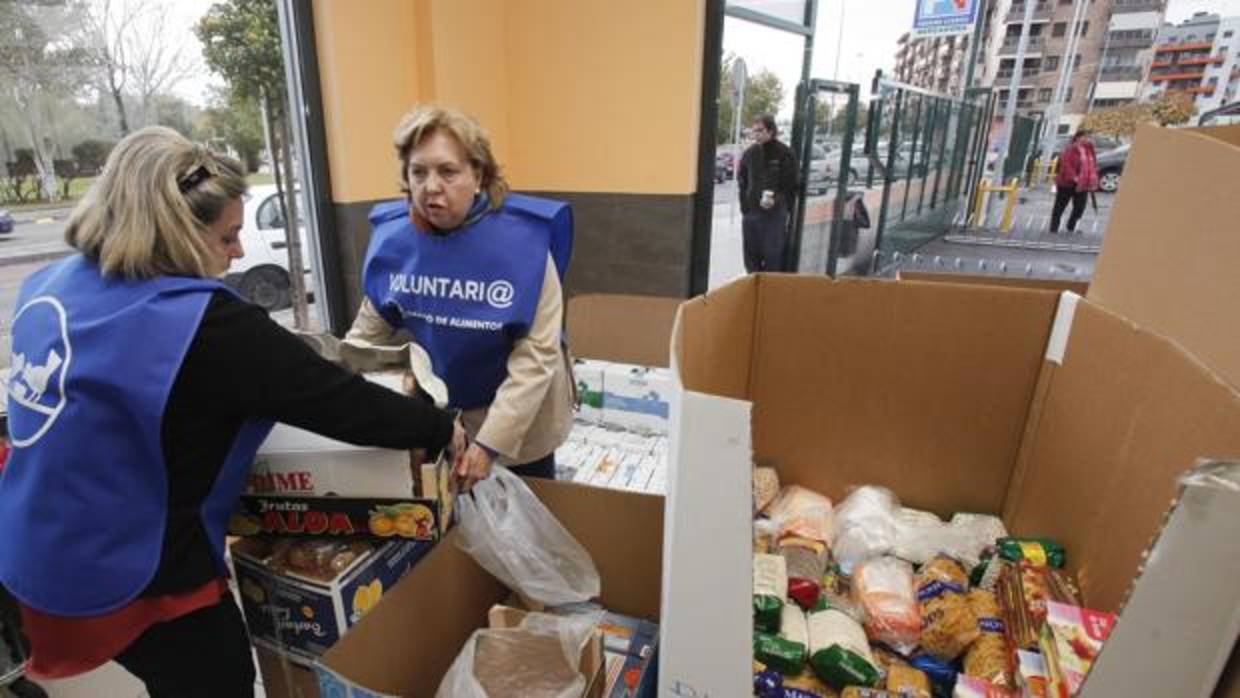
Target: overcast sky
(871, 29)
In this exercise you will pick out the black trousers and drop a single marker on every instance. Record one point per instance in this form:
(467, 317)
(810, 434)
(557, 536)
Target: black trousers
(543, 468)
(765, 239)
(205, 654)
(1062, 196)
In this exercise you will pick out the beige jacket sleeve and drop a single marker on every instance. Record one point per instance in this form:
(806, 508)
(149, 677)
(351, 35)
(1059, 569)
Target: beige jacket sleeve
(369, 327)
(531, 368)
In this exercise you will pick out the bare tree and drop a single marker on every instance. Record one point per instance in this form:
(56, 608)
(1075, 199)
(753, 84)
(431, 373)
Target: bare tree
(137, 54)
(42, 57)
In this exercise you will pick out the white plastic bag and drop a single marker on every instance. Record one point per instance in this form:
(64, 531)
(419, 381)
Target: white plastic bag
(864, 526)
(537, 659)
(510, 534)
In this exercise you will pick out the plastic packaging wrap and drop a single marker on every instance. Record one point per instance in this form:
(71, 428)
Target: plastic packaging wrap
(839, 652)
(864, 526)
(802, 513)
(949, 625)
(907, 682)
(806, 563)
(764, 531)
(920, 537)
(770, 583)
(765, 488)
(884, 589)
(537, 659)
(510, 534)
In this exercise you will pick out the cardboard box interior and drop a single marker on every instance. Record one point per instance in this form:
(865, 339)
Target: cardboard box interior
(616, 327)
(943, 393)
(1168, 261)
(407, 642)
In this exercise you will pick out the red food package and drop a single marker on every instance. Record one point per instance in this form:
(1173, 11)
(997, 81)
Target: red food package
(884, 589)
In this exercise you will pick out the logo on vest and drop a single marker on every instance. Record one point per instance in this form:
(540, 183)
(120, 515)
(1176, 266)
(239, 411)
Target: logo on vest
(500, 294)
(40, 360)
(497, 294)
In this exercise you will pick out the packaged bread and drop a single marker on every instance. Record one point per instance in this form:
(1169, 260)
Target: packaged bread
(948, 624)
(987, 657)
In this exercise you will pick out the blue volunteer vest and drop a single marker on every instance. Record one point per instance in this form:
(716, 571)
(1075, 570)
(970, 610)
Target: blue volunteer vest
(83, 498)
(468, 296)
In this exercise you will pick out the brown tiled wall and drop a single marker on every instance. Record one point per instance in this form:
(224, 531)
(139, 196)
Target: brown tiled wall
(624, 243)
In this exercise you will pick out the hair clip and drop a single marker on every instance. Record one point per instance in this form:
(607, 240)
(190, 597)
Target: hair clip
(193, 179)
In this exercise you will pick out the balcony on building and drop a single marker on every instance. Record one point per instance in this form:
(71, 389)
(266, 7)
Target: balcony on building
(1182, 48)
(1008, 48)
(1128, 6)
(1119, 73)
(1131, 38)
(1042, 12)
(1028, 77)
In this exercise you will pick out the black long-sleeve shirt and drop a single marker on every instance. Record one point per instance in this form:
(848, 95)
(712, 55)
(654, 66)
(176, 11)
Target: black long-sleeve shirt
(242, 365)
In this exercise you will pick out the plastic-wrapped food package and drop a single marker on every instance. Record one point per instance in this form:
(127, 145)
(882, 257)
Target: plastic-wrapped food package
(907, 682)
(1038, 551)
(538, 659)
(987, 657)
(942, 674)
(839, 651)
(807, 563)
(764, 532)
(779, 654)
(884, 588)
(802, 513)
(948, 624)
(765, 488)
(770, 583)
(864, 526)
(920, 537)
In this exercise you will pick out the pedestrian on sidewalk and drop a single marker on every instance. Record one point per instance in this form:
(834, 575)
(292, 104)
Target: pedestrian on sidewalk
(1077, 177)
(766, 183)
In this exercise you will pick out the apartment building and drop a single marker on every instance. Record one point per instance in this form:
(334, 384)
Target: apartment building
(933, 62)
(1116, 45)
(1199, 57)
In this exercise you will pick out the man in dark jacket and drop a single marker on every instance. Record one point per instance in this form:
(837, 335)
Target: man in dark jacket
(766, 183)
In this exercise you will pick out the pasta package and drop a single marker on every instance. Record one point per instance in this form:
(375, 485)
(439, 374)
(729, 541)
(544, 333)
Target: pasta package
(987, 657)
(907, 682)
(948, 624)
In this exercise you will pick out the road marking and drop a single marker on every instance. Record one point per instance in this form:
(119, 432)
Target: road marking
(44, 221)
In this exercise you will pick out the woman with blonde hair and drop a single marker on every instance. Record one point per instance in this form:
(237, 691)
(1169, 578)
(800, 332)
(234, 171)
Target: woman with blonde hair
(141, 388)
(472, 273)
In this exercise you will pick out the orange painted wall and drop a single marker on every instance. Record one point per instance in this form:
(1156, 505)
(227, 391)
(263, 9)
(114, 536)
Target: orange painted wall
(578, 95)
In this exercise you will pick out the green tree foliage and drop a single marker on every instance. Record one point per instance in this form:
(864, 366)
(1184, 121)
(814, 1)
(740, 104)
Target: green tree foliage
(763, 95)
(241, 42)
(237, 122)
(91, 154)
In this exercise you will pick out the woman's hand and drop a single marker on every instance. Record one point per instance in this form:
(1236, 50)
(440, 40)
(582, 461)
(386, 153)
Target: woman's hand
(459, 441)
(475, 465)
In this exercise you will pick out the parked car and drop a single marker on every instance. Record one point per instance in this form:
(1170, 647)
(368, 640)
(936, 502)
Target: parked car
(1111, 168)
(6, 221)
(725, 167)
(262, 275)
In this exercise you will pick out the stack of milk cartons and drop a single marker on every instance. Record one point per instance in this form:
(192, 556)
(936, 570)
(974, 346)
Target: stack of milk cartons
(620, 437)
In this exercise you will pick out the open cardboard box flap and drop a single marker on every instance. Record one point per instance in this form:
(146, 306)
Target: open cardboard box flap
(406, 643)
(943, 393)
(623, 328)
(1168, 261)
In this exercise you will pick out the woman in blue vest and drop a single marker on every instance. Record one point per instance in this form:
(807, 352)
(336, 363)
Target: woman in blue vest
(472, 273)
(140, 390)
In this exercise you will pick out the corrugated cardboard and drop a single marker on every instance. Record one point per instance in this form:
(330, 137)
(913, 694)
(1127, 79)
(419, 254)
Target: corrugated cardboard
(1077, 287)
(407, 642)
(1169, 259)
(615, 327)
(943, 393)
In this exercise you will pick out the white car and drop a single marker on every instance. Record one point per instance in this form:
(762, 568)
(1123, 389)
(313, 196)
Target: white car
(262, 274)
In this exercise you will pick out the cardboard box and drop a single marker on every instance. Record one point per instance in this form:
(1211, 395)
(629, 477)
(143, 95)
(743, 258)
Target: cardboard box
(300, 616)
(621, 328)
(636, 398)
(1061, 416)
(342, 517)
(294, 461)
(404, 645)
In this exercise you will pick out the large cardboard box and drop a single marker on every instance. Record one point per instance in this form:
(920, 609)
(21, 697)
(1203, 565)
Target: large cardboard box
(406, 643)
(1061, 416)
(622, 328)
(301, 616)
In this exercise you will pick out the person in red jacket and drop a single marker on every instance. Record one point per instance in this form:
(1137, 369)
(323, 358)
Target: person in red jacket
(1077, 177)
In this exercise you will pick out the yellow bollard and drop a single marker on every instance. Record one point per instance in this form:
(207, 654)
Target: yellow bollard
(982, 188)
(1010, 208)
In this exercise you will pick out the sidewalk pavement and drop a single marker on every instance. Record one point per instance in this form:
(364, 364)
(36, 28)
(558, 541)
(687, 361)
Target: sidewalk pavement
(37, 236)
